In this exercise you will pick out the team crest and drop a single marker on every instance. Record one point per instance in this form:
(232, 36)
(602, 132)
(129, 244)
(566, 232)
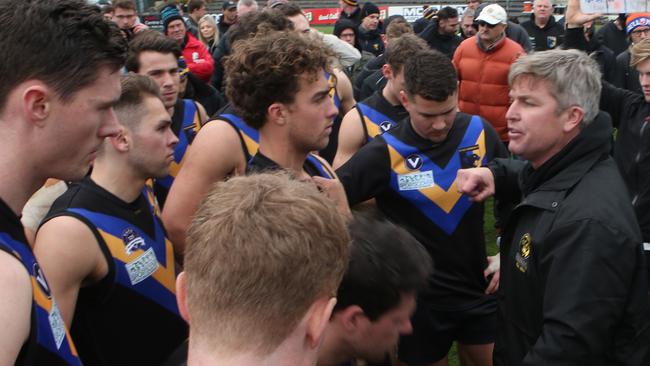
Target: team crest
(385, 126)
(468, 157)
(40, 280)
(523, 255)
(551, 42)
(414, 162)
(132, 241)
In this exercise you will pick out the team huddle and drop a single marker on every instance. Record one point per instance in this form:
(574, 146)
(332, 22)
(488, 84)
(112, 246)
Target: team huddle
(221, 194)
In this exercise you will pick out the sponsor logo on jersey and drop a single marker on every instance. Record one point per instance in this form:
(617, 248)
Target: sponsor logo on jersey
(469, 157)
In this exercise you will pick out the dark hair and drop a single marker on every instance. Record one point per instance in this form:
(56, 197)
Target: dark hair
(399, 50)
(250, 24)
(447, 12)
(149, 40)
(343, 24)
(430, 75)
(267, 69)
(386, 261)
(106, 9)
(289, 9)
(135, 88)
(124, 4)
(63, 43)
(195, 5)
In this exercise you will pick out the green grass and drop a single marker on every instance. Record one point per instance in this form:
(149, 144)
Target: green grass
(327, 29)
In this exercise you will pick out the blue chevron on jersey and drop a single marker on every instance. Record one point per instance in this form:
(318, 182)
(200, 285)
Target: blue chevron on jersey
(376, 122)
(435, 194)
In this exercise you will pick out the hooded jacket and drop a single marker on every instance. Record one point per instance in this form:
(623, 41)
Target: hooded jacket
(546, 38)
(198, 58)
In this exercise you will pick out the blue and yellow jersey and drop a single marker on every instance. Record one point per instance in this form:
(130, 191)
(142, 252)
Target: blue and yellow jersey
(49, 341)
(413, 181)
(250, 137)
(126, 309)
(186, 123)
(379, 116)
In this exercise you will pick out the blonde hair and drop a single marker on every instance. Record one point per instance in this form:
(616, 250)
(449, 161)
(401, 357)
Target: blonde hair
(210, 20)
(262, 249)
(640, 52)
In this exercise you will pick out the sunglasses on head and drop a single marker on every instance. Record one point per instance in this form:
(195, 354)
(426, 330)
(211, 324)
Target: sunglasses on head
(482, 23)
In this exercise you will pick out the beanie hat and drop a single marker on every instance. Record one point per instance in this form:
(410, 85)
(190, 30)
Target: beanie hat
(168, 14)
(351, 2)
(636, 20)
(369, 8)
(429, 12)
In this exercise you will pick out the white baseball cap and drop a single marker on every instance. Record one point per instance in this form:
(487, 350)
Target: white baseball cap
(493, 14)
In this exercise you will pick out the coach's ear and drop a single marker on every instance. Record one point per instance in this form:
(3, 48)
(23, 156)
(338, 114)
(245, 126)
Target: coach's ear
(574, 117)
(318, 317)
(181, 297)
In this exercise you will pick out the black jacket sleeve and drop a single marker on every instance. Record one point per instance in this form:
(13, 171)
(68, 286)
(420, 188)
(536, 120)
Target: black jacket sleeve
(506, 179)
(367, 173)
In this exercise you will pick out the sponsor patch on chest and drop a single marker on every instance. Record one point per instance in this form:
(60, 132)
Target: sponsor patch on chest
(523, 255)
(415, 181)
(142, 267)
(56, 324)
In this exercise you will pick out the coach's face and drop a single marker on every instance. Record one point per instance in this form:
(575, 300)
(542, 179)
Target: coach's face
(537, 128)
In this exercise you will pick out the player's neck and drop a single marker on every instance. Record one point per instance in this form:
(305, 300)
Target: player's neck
(390, 98)
(282, 153)
(118, 178)
(334, 350)
(285, 355)
(23, 175)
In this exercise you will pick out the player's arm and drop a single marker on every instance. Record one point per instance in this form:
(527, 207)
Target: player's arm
(350, 137)
(334, 190)
(367, 173)
(344, 90)
(69, 256)
(216, 153)
(15, 307)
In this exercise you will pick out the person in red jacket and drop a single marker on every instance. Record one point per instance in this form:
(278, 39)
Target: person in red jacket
(196, 55)
(483, 62)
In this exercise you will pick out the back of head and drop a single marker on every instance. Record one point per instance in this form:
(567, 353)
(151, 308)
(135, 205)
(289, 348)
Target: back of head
(149, 40)
(289, 9)
(135, 88)
(400, 49)
(396, 26)
(250, 24)
(447, 12)
(268, 68)
(38, 37)
(431, 75)
(262, 249)
(386, 262)
(572, 77)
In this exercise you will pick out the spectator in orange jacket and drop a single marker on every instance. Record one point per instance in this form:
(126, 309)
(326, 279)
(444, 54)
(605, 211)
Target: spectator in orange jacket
(483, 62)
(196, 55)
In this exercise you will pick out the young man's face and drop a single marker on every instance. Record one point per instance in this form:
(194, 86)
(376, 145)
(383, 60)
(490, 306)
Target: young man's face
(79, 126)
(431, 119)
(371, 22)
(535, 129)
(347, 35)
(176, 30)
(124, 18)
(643, 68)
(300, 24)
(199, 13)
(448, 26)
(473, 4)
(163, 69)
(230, 15)
(311, 114)
(152, 141)
(381, 336)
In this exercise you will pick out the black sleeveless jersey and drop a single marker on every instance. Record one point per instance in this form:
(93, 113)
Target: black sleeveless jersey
(313, 166)
(130, 317)
(379, 116)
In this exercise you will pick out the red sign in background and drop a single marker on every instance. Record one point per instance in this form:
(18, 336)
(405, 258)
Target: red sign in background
(331, 15)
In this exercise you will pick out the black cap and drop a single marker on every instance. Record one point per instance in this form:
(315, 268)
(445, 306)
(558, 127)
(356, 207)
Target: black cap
(227, 5)
(369, 8)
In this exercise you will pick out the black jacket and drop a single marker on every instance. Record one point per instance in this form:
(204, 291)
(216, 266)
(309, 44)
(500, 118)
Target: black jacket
(370, 41)
(547, 38)
(222, 26)
(573, 287)
(444, 43)
(626, 76)
(613, 38)
(631, 115)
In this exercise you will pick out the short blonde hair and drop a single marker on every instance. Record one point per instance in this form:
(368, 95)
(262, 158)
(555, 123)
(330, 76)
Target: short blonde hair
(262, 249)
(640, 52)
